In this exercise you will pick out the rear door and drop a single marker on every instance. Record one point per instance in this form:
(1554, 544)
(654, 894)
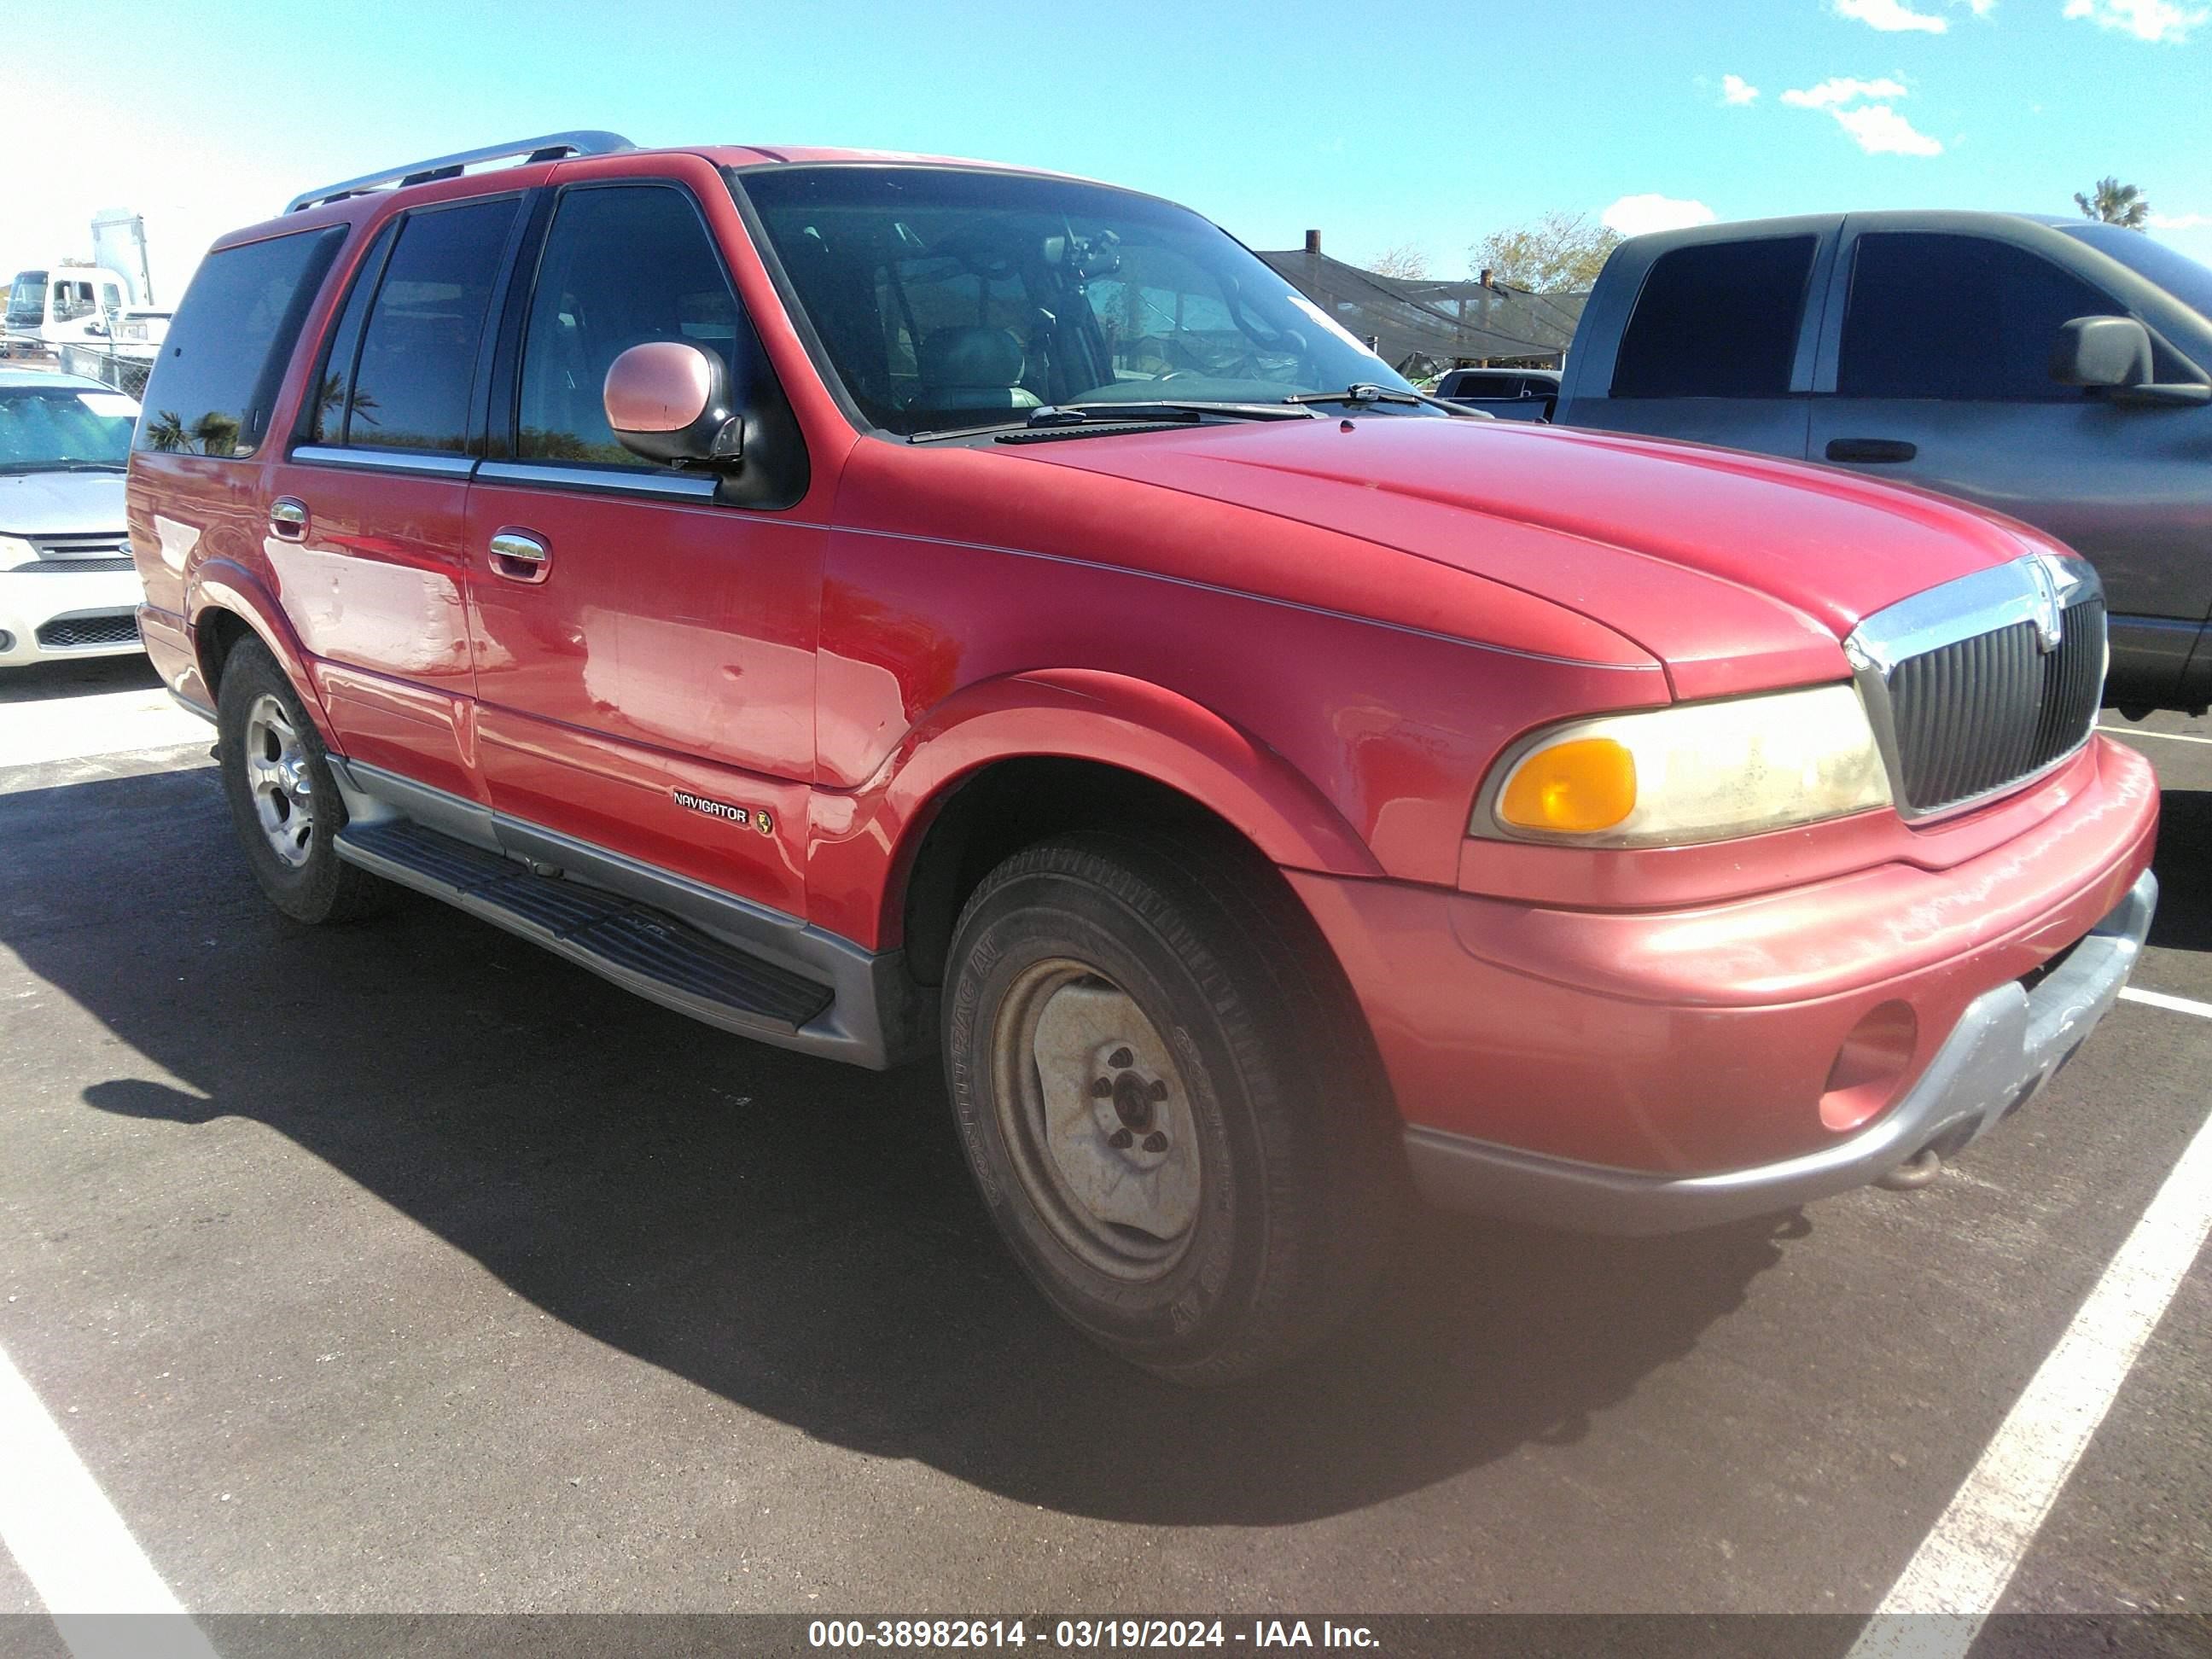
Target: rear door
(1718, 346)
(367, 513)
(644, 638)
(1937, 372)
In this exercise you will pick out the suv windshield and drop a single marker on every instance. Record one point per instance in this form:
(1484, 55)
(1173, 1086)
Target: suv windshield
(63, 428)
(948, 299)
(26, 299)
(2177, 273)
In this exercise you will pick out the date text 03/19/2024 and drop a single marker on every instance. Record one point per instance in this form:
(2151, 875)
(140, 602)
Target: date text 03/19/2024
(1087, 1633)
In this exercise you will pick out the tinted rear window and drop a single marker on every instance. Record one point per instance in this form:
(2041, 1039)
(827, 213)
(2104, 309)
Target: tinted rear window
(211, 391)
(412, 381)
(1719, 320)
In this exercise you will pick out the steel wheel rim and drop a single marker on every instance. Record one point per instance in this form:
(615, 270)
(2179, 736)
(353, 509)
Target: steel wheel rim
(1095, 1114)
(277, 774)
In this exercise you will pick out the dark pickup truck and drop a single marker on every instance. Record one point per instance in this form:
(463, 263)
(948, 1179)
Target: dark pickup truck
(2050, 370)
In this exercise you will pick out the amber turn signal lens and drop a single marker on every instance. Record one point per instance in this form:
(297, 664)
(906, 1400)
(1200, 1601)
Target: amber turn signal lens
(1584, 784)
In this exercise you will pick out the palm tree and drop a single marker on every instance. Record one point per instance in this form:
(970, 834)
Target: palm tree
(167, 431)
(2115, 203)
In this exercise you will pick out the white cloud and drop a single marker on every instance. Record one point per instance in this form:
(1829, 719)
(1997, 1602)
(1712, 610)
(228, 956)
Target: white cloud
(2147, 20)
(1890, 16)
(1881, 131)
(2180, 221)
(1734, 89)
(1980, 8)
(1841, 90)
(1863, 109)
(1633, 215)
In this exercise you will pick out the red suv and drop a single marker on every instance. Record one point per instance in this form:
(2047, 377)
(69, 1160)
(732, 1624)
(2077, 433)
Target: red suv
(879, 604)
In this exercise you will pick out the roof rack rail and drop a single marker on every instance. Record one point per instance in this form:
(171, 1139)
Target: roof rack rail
(551, 147)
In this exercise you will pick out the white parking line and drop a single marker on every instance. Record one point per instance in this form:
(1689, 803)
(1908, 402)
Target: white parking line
(1962, 1566)
(2160, 999)
(67, 1537)
(2137, 732)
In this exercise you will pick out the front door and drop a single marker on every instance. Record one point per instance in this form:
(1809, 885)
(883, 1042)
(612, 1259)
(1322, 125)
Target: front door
(367, 518)
(1942, 378)
(645, 652)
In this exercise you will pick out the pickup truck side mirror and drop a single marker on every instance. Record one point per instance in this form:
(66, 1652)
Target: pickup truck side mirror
(669, 401)
(2109, 351)
(2114, 352)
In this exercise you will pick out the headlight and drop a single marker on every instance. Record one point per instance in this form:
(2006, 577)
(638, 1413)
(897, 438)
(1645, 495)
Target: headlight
(1696, 772)
(14, 551)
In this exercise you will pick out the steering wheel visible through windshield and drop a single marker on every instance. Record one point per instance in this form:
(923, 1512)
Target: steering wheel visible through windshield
(950, 298)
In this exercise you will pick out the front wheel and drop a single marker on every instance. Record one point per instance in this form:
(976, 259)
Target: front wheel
(1148, 1075)
(283, 801)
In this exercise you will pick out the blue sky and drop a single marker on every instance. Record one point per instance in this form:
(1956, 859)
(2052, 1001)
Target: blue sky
(1380, 126)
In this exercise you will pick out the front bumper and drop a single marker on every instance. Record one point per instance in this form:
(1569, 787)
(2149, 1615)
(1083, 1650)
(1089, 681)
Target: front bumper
(2009, 1042)
(82, 614)
(1694, 1045)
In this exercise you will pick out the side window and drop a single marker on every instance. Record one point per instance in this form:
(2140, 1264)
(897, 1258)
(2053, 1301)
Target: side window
(623, 264)
(215, 381)
(411, 381)
(1957, 317)
(329, 405)
(1717, 319)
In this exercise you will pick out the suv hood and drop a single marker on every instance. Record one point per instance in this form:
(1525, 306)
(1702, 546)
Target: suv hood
(61, 503)
(1737, 571)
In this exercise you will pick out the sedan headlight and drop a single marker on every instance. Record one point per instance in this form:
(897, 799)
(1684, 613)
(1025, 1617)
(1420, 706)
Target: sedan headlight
(14, 551)
(1695, 772)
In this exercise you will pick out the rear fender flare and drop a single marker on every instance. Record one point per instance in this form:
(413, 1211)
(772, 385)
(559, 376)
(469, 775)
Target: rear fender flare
(224, 585)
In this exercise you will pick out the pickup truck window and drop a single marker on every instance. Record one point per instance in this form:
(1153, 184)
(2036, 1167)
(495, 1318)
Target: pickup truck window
(2180, 276)
(1717, 319)
(213, 386)
(418, 352)
(942, 297)
(624, 265)
(1962, 318)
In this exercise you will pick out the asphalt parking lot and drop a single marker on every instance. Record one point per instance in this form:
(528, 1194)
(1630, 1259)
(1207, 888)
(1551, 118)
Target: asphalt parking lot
(405, 1268)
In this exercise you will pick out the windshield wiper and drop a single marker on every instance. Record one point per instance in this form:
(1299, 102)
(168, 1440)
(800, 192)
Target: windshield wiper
(1155, 409)
(1103, 419)
(14, 468)
(1366, 391)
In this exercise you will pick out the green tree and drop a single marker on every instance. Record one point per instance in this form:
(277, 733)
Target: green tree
(1404, 263)
(1558, 253)
(2115, 203)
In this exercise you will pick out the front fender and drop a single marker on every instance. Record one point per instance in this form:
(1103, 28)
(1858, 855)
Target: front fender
(863, 841)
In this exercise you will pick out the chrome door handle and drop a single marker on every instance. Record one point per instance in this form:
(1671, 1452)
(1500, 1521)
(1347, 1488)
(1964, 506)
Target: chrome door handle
(288, 518)
(520, 557)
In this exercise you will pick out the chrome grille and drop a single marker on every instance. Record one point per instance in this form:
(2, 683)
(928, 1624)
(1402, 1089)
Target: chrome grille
(1983, 684)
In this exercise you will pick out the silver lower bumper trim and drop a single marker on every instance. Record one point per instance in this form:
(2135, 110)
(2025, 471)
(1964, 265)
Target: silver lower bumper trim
(2005, 1047)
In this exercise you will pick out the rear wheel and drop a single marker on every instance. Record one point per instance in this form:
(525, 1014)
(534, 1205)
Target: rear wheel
(283, 801)
(1153, 1087)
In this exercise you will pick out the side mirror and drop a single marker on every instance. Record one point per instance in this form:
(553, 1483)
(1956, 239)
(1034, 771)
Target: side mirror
(669, 401)
(2107, 351)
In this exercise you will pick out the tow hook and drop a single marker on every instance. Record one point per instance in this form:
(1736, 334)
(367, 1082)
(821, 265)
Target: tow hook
(1910, 1178)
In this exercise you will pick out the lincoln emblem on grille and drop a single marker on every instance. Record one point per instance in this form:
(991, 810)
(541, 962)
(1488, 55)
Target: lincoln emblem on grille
(2049, 612)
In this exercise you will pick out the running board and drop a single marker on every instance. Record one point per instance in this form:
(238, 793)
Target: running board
(639, 948)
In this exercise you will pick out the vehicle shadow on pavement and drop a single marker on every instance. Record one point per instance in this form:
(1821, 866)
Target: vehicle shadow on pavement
(2184, 860)
(794, 1235)
(45, 681)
